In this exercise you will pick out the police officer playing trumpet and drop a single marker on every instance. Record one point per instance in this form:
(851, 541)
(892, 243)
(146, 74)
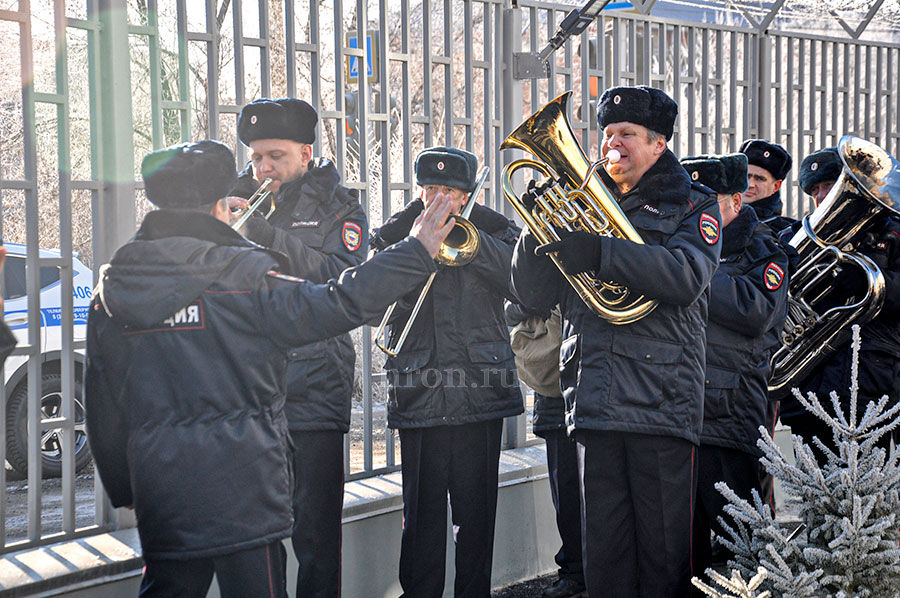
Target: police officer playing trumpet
(321, 227)
(450, 385)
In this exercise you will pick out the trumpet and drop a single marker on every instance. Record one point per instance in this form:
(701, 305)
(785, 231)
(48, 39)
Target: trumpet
(458, 249)
(253, 203)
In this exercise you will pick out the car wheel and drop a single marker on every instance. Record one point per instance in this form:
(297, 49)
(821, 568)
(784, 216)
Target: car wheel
(51, 445)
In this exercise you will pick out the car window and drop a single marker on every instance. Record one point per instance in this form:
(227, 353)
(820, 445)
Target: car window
(14, 277)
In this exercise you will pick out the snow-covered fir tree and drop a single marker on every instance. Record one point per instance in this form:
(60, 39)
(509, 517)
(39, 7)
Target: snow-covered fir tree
(736, 586)
(849, 507)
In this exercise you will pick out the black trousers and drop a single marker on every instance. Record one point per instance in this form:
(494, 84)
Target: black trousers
(318, 504)
(463, 461)
(766, 482)
(255, 573)
(637, 496)
(562, 464)
(740, 471)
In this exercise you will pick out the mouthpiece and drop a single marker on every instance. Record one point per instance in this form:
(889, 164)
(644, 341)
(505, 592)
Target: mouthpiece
(613, 156)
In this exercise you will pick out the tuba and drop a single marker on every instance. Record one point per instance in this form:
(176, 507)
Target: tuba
(820, 314)
(576, 200)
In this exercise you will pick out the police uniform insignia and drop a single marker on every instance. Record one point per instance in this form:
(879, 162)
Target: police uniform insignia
(695, 176)
(305, 224)
(440, 166)
(284, 277)
(774, 276)
(766, 154)
(709, 228)
(352, 235)
(814, 166)
(617, 99)
(881, 246)
(189, 317)
(253, 120)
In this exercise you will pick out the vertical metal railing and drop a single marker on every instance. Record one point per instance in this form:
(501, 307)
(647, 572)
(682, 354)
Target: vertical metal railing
(160, 72)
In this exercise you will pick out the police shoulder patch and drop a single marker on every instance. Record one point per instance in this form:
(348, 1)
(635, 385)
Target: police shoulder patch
(352, 235)
(709, 228)
(774, 276)
(281, 276)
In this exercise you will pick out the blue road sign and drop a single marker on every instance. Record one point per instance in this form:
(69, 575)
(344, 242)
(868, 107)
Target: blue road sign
(353, 61)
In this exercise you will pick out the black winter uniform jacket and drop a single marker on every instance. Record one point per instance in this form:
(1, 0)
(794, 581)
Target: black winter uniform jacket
(321, 227)
(184, 388)
(747, 307)
(647, 376)
(879, 359)
(456, 366)
(768, 210)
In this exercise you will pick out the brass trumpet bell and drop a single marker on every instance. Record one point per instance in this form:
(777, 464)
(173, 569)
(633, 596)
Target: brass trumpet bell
(461, 245)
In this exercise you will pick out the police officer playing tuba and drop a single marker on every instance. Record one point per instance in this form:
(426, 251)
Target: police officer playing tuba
(634, 392)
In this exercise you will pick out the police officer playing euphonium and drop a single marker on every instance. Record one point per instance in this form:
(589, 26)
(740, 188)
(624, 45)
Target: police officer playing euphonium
(634, 392)
(879, 356)
(450, 387)
(184, 387)
(321, 227)
(748, 299)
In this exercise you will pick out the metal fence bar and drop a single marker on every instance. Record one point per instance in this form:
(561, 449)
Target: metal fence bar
(800, 89)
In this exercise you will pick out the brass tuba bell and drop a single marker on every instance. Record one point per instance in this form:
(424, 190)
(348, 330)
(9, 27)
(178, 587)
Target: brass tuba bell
(578, 200)
(820, 313)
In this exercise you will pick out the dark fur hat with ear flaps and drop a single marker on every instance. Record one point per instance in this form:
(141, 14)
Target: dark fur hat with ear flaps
(447, 166)
(188, 175)
(823, 165)
(641, 105)
(768, 155)
(725, 174)
(284, 118)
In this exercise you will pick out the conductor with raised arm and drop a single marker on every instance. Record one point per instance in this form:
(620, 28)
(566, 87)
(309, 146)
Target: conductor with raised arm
(184, 387)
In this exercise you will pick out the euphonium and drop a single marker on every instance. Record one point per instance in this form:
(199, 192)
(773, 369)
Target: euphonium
(821, 313)
(578, 200)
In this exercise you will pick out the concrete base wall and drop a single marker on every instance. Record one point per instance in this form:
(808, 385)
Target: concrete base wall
(524, 544)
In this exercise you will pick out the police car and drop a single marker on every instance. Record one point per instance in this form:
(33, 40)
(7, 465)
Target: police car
(16, 316)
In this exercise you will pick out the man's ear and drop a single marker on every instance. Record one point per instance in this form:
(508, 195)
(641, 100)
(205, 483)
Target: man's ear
(738, 200)
(221, 211)
(778, 184)
(660, 146)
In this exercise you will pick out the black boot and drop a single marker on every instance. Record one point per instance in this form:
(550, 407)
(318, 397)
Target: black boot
(565, 588)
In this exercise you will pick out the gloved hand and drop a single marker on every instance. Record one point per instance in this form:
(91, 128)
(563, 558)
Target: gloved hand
(532, 192)
(320, 180)
(578, 251)
(258, 230)
(879, 248)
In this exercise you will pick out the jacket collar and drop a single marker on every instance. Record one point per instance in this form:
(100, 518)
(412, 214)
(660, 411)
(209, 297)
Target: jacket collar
(163, 223)
(736, 236)
(398, 226)
(768, 206)
(665, 180)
